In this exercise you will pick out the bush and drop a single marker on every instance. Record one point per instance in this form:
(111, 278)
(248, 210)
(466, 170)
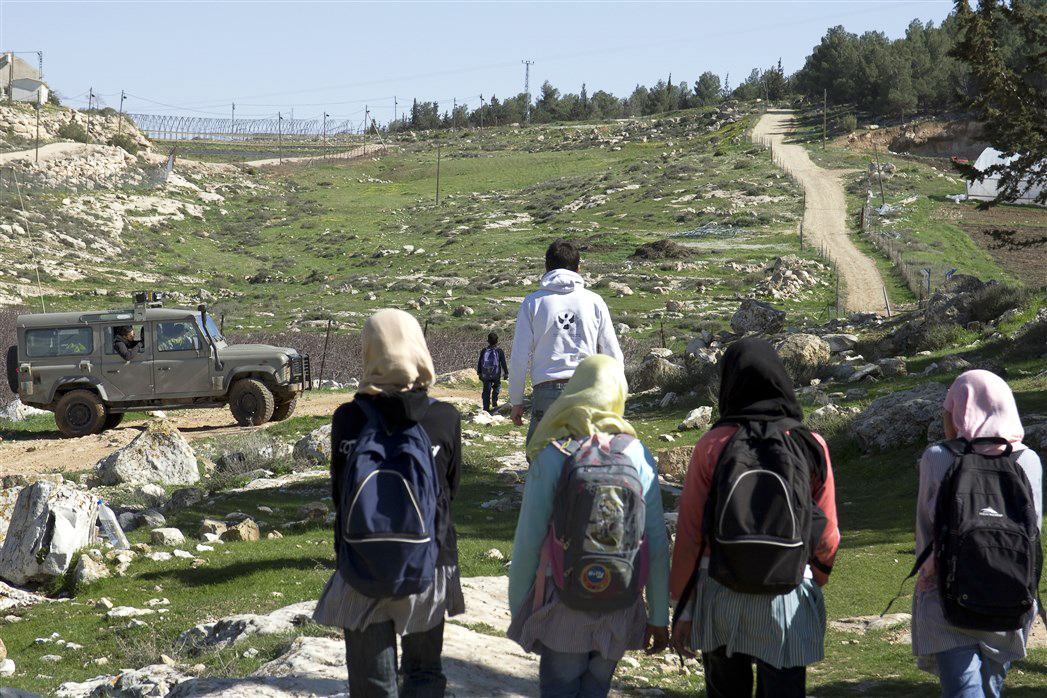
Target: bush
(847, 123)
(74, 132)
(944, 334)
(122, 140)
(993, 300)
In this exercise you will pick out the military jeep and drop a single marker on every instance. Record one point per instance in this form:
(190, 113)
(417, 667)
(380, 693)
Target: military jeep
(68, 363)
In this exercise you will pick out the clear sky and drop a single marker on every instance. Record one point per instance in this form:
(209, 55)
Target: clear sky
(197, 58)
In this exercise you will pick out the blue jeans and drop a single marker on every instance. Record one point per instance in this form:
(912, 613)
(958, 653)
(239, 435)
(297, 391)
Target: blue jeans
(965, 673)
(574, 675)
(542, 398)
(370, 656)
(732, 677)
(490, 394)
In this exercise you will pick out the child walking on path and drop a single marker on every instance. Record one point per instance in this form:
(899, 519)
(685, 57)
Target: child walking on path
(781, 632)
(398, 371)
(580, 648)
(490, 368)
(968, 663)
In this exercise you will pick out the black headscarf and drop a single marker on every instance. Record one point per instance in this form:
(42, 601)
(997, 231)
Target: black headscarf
(754, 386)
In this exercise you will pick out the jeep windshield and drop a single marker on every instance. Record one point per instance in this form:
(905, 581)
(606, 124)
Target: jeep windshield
(212, 329)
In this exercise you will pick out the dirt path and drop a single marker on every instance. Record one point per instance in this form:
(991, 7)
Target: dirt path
(825, 216)
(48, 452)
(48, 152)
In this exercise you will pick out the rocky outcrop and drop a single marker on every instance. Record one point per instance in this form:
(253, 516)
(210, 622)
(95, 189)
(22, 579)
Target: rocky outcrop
(757, 317)
(315, 446)
(803, 355)
(48, 525)
(234, 629)
(158, 455)
(900, 418)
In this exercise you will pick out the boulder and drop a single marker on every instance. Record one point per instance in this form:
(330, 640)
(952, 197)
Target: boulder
(954, 364)
(656, 372)
(48, 525)
(16, 411)
(7, 668)
(213, 527)
(186, 497)
(803, 355)
(160, 454)
(246, 530)
(673, 462)
(863, 372)
(840, 342)
(891, 367)
(89, 570)
(900, 418)
(757, 317)
(827, 417)
(234, 629)
(167, 536)
(154, 496)
(316, 445)
(152, 680)
(698, 418)
(3, 650)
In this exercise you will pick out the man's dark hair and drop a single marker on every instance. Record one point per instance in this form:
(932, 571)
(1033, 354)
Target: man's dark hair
(122, 330)
(492, 338)
(561, 255)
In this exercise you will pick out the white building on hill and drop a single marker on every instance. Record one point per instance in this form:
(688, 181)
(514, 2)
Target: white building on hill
(21, 80)
(985, 189)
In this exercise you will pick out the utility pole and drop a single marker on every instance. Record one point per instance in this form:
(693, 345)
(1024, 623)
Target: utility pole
(232, 120)
(879, 173)
(481, 113)
(527, 90)
(40, 63)
(325, 135)
(39, 103)
(280, 137)
(454, 113)
(394, 108)
(11, 77)
(825, 115)
(437, 175)
(120, 118)
(90, 98)
(367, 118)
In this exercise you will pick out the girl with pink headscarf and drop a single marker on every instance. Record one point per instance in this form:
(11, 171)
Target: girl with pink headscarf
(968, 663)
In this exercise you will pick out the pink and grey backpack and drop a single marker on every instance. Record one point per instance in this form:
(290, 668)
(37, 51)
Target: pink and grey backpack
(596, 543)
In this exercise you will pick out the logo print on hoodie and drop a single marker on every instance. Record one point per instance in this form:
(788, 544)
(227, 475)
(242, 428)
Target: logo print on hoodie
(566, 321)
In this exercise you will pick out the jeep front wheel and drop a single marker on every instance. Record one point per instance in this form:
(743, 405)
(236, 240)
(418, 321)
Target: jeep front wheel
(79, 413)
(250, 402)
(284, 409)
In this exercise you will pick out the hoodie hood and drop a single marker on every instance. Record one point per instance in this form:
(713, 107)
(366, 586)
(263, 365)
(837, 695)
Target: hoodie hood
(561, 281)
(400, 409)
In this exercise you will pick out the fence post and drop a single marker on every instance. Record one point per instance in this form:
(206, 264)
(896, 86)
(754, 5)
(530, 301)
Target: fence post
(887, 301)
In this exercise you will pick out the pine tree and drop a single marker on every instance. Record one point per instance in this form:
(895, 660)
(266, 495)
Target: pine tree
(1010, 89)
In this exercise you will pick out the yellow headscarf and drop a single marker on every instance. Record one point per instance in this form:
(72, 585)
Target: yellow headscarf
(592, 401)
(395, 355)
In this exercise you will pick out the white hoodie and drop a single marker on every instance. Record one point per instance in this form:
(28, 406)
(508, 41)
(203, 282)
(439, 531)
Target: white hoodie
(558, 325)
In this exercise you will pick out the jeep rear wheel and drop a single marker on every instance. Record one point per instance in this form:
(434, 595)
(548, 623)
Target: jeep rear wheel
(250, 402)
(79, 413)
(284, 409)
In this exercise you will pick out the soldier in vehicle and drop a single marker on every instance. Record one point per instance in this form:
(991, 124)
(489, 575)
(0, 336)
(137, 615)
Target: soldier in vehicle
(124, 341)
(176, 336)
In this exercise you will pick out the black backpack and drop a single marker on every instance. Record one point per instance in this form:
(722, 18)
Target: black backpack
(760, 521)
(986, 540)
(490, 368)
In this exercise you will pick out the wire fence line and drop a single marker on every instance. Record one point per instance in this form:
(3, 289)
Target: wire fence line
(187, 127)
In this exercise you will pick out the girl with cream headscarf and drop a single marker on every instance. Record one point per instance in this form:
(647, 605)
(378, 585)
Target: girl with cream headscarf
(579, 650)
(968, 663)
(397, 373)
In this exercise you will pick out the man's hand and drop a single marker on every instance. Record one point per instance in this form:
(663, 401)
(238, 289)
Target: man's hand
(517, 415)
(682, 638)
(655, 639)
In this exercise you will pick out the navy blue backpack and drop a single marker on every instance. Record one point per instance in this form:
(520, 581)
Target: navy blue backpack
(387, 516)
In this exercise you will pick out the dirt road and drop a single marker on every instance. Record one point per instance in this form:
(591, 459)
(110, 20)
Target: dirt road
(825, 216)
(362, 151)
(47, 452)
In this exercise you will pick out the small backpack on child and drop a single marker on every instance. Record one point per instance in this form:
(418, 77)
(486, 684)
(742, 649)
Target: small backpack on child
(596, 543)
(986, 542)
(490, 370)
(387, 516)
(761, 522)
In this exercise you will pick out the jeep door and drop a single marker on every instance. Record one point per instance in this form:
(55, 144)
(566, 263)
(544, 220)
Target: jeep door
(183, 360)
(128, 380)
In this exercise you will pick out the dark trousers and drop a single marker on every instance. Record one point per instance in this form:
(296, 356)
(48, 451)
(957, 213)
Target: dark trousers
(370, 656)
(732, 677)
(490, 394)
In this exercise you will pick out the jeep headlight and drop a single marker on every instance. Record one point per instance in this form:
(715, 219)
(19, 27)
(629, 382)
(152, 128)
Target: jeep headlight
(285, 373)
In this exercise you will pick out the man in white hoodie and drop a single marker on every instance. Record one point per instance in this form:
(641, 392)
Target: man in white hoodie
(558, 325)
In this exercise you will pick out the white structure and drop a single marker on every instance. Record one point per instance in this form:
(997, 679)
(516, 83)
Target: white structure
(30, 90)
(985, 189)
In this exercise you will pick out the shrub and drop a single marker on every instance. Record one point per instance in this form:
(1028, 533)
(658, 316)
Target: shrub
(122, 140)
(944, 334)
(73, 131)
(993, 300)
(847, 123)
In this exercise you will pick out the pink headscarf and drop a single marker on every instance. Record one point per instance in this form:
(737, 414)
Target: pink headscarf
(982, 404)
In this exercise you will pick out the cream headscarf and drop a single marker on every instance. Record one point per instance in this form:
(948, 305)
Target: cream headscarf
(395, 355)
(592, 401)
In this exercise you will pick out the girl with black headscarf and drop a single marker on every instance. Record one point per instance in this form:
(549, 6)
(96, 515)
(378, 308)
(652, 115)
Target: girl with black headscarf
(781, 633)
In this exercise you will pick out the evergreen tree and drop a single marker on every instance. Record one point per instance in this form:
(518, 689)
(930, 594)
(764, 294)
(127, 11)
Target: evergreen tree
(707, 89)
(1005, 48)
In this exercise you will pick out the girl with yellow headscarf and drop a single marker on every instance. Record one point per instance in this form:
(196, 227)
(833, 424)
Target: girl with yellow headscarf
(580, 649)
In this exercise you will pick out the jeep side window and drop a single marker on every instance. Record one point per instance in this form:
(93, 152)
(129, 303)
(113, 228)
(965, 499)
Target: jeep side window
(66, 341)
(177, 336)
(137, 347)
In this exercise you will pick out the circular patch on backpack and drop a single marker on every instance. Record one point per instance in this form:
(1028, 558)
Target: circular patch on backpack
(595, 578)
